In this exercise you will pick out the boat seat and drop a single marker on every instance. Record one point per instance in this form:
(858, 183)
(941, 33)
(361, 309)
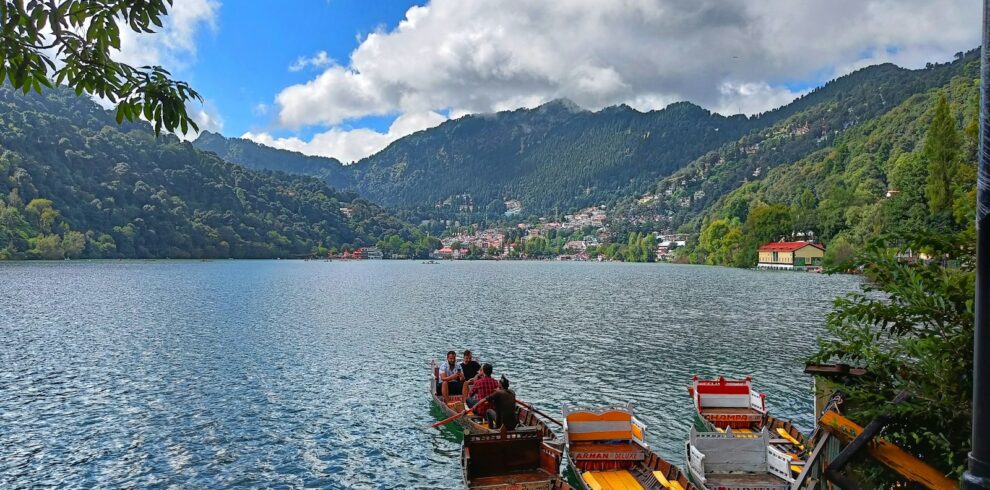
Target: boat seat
(611, 480)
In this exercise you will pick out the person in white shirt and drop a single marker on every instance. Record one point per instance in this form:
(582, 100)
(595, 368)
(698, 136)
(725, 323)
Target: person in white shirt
(451, 377)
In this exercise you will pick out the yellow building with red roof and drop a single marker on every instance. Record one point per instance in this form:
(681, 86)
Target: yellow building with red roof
(790, 255)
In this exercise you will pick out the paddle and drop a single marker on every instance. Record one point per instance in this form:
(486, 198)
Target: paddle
(531, 407)
(452, 417)
(456, 416)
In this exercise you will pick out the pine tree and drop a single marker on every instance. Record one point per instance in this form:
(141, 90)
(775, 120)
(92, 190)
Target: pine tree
(941, 150)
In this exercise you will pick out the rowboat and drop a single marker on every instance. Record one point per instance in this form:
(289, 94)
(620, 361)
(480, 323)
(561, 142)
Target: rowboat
(606, 450)
(476, 423)
(737, 461)
(730, 409)
(518, 460)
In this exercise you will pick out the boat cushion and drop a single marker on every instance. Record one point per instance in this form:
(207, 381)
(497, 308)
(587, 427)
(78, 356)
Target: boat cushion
(613, 479)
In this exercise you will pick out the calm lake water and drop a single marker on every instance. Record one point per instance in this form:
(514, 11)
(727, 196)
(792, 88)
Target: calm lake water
(313, 374)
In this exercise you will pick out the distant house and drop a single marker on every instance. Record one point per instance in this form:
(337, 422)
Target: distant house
(790, 255)
(443, 253)
(576, 246)
(373, 253)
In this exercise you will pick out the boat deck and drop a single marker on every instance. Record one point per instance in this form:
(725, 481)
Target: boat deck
(716, 480)
(513, 479)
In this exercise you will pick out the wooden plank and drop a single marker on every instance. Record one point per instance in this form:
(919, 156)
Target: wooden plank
(889, 454)
(810, 464)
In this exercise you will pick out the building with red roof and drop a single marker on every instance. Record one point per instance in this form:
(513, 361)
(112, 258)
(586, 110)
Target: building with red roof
(790, 255)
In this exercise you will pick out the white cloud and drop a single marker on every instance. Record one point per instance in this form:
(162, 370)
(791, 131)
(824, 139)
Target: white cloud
(174, 45)
(350, 145)
(206, 116)
(752, 97)
(476, 56)
(318, 60)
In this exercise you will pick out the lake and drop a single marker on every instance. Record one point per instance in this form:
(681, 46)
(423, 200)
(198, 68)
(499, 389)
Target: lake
(314, 374)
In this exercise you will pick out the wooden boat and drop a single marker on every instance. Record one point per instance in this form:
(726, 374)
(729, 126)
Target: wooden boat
(475, 423)
(606, 450)
(736, 460)
(518, 460)
(732, 405)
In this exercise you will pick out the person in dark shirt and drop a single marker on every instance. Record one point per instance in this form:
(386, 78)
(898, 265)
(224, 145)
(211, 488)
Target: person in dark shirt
(502, 415)
(470, 369)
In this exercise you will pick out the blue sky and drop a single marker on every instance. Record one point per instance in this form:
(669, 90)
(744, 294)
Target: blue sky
(344, 78)
(273, 36)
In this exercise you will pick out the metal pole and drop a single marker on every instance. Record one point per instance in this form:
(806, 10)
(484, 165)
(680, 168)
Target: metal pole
(978, 475)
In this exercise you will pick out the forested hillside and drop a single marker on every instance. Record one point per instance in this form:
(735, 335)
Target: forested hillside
(824, 115)
(907, 172)
(259, 157)
(75, 184)
(557, 156)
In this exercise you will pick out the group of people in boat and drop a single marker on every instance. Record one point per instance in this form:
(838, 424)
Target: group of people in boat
(480, 391)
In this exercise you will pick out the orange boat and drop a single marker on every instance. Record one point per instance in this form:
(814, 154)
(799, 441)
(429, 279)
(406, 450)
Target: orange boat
(606, 450)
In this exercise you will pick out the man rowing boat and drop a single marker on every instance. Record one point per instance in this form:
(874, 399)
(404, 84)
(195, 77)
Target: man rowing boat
(502, 414)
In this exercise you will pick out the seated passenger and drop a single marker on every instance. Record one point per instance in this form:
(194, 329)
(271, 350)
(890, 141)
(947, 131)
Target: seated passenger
(451, 377)
(483, 386)
(470, 369)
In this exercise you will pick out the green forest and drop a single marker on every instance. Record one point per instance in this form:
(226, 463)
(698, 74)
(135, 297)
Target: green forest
(74, 184)
(907, 171)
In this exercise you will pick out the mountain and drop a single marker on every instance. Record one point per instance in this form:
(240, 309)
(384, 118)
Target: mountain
(260, 157)
(74, 183)
(558, 157)
(588, 157)
(867, 181)
(810, 124)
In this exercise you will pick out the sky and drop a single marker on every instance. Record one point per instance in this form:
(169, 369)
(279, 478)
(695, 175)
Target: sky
(344, 78)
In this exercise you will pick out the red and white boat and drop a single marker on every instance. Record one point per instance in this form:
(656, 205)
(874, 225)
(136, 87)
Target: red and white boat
(732, 405)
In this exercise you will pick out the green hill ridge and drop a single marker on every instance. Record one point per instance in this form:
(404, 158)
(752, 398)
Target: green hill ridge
(75, 184)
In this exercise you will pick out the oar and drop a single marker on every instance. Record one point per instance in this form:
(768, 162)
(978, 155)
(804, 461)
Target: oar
(534, 409)
(452, 417)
